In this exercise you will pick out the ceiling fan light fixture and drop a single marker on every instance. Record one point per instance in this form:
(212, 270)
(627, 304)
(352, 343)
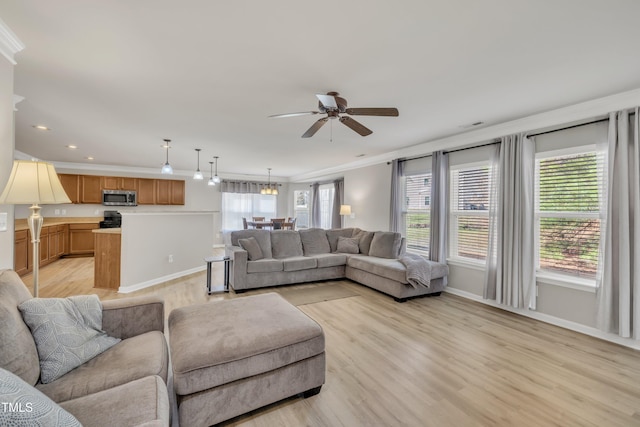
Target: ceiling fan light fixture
(198, 175)
(166, 168)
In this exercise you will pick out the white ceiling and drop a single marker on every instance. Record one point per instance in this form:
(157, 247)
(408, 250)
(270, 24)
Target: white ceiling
(116, 77)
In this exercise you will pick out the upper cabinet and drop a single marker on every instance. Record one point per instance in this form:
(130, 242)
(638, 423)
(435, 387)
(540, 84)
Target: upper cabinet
(88, 188)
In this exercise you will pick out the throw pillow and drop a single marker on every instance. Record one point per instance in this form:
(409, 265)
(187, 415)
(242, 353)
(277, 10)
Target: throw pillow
(348, 245)
(24, 405)
(333, 234)
(364, 240)
(385, 244)
(252, 247)
(314, 241)
(67, 332)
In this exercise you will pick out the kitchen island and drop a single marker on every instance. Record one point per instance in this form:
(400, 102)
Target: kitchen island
(107, 258)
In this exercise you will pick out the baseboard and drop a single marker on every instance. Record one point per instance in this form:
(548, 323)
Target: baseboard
(556, 321)
(158, 280)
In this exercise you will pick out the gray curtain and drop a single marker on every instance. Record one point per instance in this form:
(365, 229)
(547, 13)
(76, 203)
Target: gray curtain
(510, 273)
(243, 187)
(395, 214)
(439, 207)
(619, 291)
(338, 199)
(315, 205)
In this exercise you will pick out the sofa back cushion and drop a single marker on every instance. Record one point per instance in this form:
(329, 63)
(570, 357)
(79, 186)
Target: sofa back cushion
(286, 244)
(385, 244)
(314, 241)
(18, 352)
(332, 236)
(252, 247)
(263, 237)
(364, 240)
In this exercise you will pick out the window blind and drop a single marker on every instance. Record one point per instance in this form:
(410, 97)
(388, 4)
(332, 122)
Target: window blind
(469, 212)
(417, 210)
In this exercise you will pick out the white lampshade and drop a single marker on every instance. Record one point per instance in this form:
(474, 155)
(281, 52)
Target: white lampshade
(345, 209)
(33, 183)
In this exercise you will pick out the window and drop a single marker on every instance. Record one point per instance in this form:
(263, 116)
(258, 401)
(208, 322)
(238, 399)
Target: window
(469, 212)
(567, 213)
(301, 207)
(326, 205)
(236, 206)
(417, 210)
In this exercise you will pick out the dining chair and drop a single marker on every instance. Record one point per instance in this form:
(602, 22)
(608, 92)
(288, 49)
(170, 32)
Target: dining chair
(244, 223)
(258, 218)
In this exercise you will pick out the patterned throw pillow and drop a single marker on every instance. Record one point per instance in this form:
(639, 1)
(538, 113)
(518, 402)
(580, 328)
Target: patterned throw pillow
(24, 405)
(348, 245)
(67, 332)
(252, 247)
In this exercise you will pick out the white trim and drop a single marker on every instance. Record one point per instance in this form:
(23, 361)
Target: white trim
(573, 326)
(467, 263)
(10, 44)
(566, 281)
(158, 280)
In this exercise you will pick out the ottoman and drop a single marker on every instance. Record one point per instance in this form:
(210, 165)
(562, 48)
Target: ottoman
(233, 356)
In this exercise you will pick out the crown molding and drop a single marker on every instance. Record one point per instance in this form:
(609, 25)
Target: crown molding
(10, 44)
(547, 120)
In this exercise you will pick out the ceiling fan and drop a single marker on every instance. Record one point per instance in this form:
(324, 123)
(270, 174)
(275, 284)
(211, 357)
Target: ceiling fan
(333, 105)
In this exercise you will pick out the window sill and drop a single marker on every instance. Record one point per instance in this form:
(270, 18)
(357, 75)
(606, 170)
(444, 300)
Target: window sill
(467, 263)
(580, 284)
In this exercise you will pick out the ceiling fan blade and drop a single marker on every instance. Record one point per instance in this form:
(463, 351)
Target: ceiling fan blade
(314, 128)
(393, 112)
(356, 126)
(328, 101)
(302, 113)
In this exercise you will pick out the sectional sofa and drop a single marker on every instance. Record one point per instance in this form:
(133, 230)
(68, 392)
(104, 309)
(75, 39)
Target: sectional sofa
(263, 258)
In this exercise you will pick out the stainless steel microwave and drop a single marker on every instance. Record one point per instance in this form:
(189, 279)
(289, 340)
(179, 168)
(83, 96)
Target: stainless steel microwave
(119, 198)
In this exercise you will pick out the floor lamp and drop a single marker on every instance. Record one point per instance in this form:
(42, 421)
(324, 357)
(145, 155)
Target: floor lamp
(34, 183)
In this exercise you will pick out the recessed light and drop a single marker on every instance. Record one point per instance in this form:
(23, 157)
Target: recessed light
(89, 158)
(72, 147)
(41, 127)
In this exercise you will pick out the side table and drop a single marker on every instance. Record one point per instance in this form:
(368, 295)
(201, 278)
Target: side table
(225, 286)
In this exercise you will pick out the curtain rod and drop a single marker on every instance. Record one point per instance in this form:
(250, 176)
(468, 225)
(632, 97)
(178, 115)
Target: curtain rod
(570, 127)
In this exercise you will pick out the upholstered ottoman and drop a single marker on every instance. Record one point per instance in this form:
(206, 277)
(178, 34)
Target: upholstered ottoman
(233, 356)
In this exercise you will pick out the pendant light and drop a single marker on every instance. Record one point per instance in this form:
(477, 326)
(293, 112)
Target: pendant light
(211, 181)
(268, 190)
(166, 168)
(216, 178)
(198, 175)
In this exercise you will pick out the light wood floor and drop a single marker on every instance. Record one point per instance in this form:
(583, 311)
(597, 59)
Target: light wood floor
(443, 361)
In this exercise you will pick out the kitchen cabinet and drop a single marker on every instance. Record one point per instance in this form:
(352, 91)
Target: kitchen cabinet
(71, 185)
(118, 183)
(177, 192)
(170, 192)
(107, 258)
(81, 239)
(90, 189)
(146, 189)
(21, 252)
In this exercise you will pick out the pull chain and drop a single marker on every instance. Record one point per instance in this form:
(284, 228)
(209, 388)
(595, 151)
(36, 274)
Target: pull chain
(331, 131)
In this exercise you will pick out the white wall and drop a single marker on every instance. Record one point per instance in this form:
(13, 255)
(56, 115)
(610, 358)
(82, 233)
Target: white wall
(368, 191)
(149, 239)
(6, 156)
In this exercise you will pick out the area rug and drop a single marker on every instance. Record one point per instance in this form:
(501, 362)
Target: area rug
(314, 294)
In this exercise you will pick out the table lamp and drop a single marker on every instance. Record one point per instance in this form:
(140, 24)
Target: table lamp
(35, 183)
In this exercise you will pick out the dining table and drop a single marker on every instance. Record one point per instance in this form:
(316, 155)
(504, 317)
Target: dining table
(268, 225)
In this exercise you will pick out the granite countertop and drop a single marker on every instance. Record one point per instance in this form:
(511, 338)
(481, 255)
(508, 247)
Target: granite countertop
(107, 231)
(21, 224)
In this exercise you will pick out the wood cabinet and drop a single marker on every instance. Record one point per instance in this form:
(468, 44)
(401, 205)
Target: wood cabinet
(81, 239)
(146, 189)
(71, 185)
(170, 192)
(107, 259)
(44, 246)
(90, 189)
(21, 252)
(118, 183)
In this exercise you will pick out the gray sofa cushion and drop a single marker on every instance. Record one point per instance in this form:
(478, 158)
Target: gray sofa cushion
(142, 402)
(252, 247)
(286, 244)
(314, 241)
(364, 240)
(32, 408)
(18, 352)
(299, 263)
(264, 266)
(385, 244)
(348, 245)
(130, 359)
(67, 332)
(384, 267)
(330, 260)
(332, 236)
(262, 236)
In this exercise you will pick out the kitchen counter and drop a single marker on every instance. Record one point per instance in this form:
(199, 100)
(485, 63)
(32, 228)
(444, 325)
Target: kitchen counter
(21, 224)
(108, 231)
